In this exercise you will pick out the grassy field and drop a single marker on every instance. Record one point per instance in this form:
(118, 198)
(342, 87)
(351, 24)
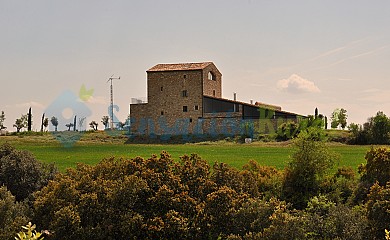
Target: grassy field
(93, 147)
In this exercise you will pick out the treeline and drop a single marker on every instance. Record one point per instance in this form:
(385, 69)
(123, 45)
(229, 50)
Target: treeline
(159, 198)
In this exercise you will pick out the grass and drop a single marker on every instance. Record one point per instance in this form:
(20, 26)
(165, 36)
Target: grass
(93, 147)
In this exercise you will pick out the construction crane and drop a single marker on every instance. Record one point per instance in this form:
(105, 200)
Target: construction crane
(112, 100)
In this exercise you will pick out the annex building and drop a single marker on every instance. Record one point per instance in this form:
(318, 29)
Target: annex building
(186, 98)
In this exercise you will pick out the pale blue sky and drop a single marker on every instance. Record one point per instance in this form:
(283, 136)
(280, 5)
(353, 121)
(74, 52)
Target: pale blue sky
(296, 54)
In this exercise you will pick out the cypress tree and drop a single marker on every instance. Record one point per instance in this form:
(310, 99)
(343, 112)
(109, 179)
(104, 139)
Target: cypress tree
(29, 120)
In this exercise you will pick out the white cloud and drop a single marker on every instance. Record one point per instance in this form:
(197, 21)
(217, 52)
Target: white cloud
(375, 96)
(30, 104)
(297, 84)
(98, 100)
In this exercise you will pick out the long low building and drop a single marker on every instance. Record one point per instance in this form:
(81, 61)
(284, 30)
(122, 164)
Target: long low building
(186, 98)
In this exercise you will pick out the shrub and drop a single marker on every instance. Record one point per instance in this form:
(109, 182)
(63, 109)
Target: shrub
(22, 173)
(12, 214)
(307, 169)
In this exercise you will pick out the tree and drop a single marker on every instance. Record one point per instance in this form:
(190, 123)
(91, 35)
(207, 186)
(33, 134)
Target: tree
(105, 120)
(310, 161)
(29, 120)
(42, 120)
(335, 118)
(20, 123)
(54, 122)
(74, 123)
(21, 173)
(339, 118)
(45, 123)
(377, 168)
(343, 118)
(69, 125)
(326, 122)
(94, 125)
(380, 128)
(2, 119)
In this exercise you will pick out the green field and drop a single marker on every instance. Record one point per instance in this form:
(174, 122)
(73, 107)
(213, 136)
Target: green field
(94, 147)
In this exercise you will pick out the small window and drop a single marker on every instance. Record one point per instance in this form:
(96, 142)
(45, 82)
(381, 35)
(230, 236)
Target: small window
(185, 76)
(214, 93)
(211, 76)
(196, 107)
(184, 93)
(190, 119)
(161, 89)
(185, 109)
(162, 112)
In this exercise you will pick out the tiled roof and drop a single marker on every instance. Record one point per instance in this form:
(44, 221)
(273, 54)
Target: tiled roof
(179, 67)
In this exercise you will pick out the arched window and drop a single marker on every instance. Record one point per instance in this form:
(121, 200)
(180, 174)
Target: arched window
(211, 76)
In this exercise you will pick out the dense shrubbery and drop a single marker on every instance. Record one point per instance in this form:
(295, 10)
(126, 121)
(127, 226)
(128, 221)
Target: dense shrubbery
(159, 198)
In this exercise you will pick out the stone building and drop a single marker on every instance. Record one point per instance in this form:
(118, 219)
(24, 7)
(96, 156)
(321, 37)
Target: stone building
(187, 99)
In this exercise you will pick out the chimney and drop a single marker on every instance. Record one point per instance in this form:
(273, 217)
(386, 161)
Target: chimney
(251, 101)
(235, 96)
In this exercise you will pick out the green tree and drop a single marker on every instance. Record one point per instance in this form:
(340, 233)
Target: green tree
(339, 118)
(304, 173)
(54, 122)
(2, 119)
(45, 123)
(377, 167)
(287, 131)
(29, 120)
(343, 118)
(22, 173)
(380, 128)
(20, 123)
(375, 170)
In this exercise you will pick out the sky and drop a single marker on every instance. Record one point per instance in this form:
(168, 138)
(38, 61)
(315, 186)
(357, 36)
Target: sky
(296, 54)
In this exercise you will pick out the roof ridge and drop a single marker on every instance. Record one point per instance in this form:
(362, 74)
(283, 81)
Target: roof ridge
(179, 66)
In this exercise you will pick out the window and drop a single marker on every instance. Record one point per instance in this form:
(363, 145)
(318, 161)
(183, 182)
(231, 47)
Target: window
(185, 109)
(184, 76)
(184, 93)
(162, 112)
(214, 93)
(190, 119)
(196, 107)
(211, 76)
(161, 89)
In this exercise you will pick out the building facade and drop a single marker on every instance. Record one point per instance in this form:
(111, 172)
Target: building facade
(187, 99)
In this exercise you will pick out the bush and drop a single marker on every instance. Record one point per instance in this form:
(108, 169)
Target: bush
(287, 131)
(310, 163)
(12, 214)
(22, 173)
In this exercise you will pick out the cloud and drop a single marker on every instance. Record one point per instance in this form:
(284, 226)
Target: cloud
(98, 100)
(375, 96)
(30, 104)
(297, 84)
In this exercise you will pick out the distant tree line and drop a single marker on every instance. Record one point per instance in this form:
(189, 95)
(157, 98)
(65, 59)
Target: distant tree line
(375, 131)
